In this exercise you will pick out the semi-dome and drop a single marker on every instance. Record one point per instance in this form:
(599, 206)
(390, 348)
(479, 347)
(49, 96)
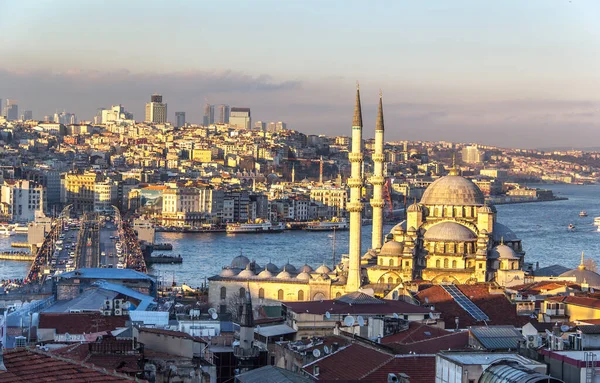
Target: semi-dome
(391, 248)
(240, 262)
(303, 276)
(485, 209)
(265, 274)
(453, 190)
(284, 275)
(306, 269)
(503, 252)
(415, 207)
(272, 267)
(227, 272)
(449, 231)
(502, 232)
(247, 272)
(323, 270)
(290, 268)
(399, 228)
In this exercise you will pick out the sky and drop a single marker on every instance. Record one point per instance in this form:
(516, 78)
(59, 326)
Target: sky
(510, 73)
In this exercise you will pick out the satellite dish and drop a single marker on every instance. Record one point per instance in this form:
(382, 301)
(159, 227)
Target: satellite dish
(326, 350)
(430, 315)
(214, 315)
(212, 311)
(426, 300)
(395, 316)
(327, 314)
(360, 320)
(316, 353)
(349, 321)
(564, 328)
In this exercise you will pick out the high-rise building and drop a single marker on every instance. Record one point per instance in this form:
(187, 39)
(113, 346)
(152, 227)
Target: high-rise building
(472, 155)
(240, 118)
(259, 125)
(209, 115)
(223, 114)
(180, 118)
(12, 110)
(156, 111)
(115, 113)
(65, 118)
(27, 115)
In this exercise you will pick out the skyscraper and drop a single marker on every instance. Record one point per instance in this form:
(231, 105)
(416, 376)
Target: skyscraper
(180, 118)
(156, 111)
(12, 110)
(27, 115)
(209, 115)
(240, 118)
(223, 114)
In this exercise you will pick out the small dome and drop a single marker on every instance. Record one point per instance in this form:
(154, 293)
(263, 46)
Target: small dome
(449, 231)
(483, 231)
(265, 274)
(453, 190)
(503, 252)
(323, 270)
(289, 268)
(272, 267)
(391, 248)
(227, 272)
(284, 275)
(412, 228)
(306, 269)
(414, 207)
(503, 232)
(303, 276)
(399, 228)
(485, 209)
(247, 272)
(240, 262)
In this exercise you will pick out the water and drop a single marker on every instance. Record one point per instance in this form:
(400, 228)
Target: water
(542, 227)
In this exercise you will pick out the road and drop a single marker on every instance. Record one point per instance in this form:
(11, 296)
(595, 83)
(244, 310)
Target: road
(96, 245)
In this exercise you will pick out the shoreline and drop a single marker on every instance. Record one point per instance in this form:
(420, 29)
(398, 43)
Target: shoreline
(514, 202)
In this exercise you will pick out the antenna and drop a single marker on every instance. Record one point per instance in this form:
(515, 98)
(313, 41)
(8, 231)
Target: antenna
(327, 314)
(349, 321)
(360, 320)
(316, 353)
(326, 350)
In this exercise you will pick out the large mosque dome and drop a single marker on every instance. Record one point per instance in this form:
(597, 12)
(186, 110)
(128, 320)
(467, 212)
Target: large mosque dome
(449, 231)
(583, 275)
(453, 190)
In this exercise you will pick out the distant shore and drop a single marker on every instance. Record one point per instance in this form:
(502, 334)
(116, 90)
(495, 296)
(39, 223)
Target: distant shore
(512, 202)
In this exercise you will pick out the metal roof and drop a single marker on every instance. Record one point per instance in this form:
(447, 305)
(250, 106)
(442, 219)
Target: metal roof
(271, 374)
(497, 337)
(149, 318)
(276, 330)
(358, 298)
(513, 373)
(145, 300)
(485, 358)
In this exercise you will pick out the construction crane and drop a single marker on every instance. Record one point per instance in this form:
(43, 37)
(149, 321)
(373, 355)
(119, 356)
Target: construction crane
(387, 197)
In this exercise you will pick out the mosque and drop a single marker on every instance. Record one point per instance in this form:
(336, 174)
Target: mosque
(450, 236)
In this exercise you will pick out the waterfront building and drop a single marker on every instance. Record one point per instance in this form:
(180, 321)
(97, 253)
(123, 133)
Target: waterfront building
(79, 190)
(156, 111)
(104, 194)
(21, 200)
(240, 118)
(180, 206)
(331, 196)
(180, 119)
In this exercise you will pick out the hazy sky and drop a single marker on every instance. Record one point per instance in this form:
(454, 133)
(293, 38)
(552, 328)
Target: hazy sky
(513, 73)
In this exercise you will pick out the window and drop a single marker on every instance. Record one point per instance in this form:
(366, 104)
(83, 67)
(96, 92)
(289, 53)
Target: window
(454, 264)
(242, 292)
(390, 280)
(280, 295)
(446, 263)
(391, 262)
(481, 265)
(338, 294)
(261, 293)
(223, 292)
(437, 263)
(407, 264)
(300, 295)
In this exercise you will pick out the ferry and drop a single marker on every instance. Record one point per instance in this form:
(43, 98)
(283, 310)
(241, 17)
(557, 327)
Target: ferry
(583, 213)
(261, 227)
(327, 225)
(597, 221)
(571, 227)
(20, 229)
(6, 230)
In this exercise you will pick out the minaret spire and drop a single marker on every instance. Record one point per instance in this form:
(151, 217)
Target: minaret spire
(357, 121)
(581, 265)
(378, 180)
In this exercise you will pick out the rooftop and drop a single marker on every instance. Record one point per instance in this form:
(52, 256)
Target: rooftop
(108, 274)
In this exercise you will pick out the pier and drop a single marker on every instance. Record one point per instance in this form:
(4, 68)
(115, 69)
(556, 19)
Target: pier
(17, 256)
(20, 244)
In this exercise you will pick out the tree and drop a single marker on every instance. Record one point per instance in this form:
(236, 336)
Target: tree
(590, 264)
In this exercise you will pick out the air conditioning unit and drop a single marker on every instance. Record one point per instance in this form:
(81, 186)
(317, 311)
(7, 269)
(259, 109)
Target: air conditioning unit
(118, 312)
(532, 341)
(118, 304)
(107, 312)
(108, 304)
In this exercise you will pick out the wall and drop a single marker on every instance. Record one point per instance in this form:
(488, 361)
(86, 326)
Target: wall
(168, 344)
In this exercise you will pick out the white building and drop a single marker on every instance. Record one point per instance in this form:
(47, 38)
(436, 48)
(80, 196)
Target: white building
(240, 118)
(104, 193)
(473, 155)
(21, 200)
(115, 113)
(156, 111)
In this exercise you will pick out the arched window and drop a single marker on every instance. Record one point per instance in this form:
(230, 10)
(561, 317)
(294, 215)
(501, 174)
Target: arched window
(280, 295)
(454, 264)
(397, 280)
(223, 292)
(338, 294)
(390, 280)
(437, 263)
(445, 263)
(300, 295)
(261, 293)
(242, 292)
(391, 262)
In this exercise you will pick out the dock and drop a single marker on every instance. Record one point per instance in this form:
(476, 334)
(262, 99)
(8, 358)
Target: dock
(163, 246)
(164, 259)
(17, 256)
(19, 244)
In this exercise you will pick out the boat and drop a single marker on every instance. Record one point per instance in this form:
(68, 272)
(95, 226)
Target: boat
(334, 224)
(597, 221)
(6, 230)
(259, 227)
(583, 213)
(571, 227)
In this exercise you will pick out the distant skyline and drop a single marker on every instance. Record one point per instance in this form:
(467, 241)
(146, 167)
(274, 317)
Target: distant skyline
(508, 73)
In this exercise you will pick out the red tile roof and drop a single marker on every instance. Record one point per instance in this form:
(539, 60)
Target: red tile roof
(33, 366)
(175, 334)
(416, 332)
(543, 286)
(452, 341)
(579, 301)
(419, 368)
(80, 323)
(337, 307)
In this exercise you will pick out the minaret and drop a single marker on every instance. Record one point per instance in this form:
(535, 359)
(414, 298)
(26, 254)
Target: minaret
(355, 206)
(293, 173)
(377, 180)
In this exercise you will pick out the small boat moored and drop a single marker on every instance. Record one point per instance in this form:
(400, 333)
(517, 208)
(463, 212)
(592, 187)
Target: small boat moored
(583, 213)
(571, 227)
(597, 221)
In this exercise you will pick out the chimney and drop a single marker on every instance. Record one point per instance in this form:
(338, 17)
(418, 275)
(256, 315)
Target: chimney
(316, 370)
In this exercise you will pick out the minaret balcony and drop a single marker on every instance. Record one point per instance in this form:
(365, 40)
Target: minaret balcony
(354, 207)
(355, 182)
(355, 157)
(377, 203)
(378, 157)
(377, 180)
